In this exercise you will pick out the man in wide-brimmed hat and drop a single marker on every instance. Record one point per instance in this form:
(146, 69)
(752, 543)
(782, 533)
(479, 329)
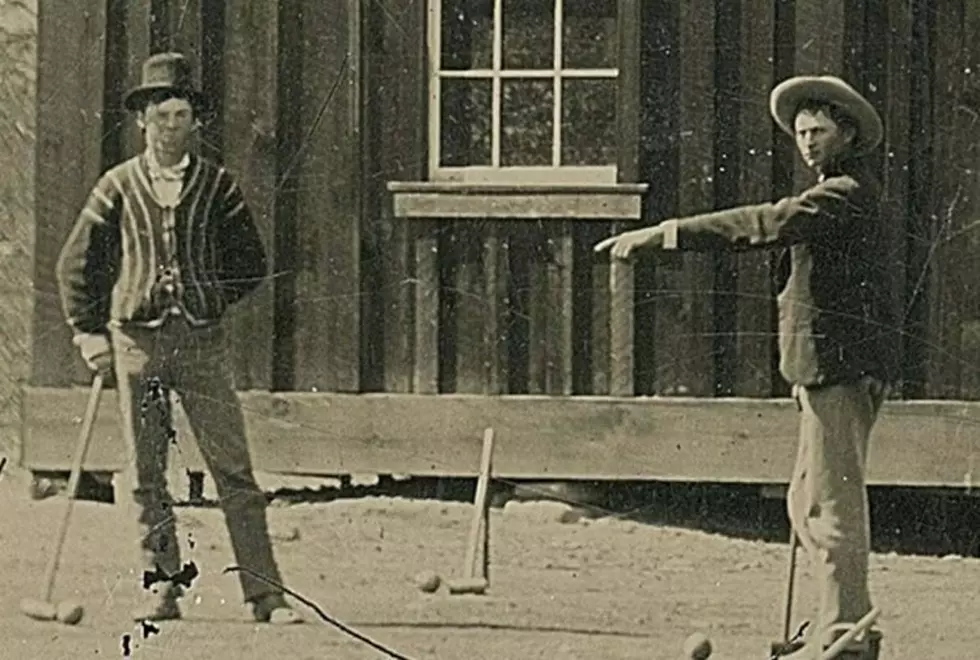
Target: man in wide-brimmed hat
(836, 336)
(163, 246)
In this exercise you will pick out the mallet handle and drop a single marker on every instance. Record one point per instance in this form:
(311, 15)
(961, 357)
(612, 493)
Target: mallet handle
(866, 622)
(81, 449)
(480, 504)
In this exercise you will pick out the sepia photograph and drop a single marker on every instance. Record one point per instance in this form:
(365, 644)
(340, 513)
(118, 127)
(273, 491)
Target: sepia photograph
(418, 329)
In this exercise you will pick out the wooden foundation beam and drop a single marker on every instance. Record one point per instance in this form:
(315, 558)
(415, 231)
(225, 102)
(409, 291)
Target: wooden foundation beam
(933, 444)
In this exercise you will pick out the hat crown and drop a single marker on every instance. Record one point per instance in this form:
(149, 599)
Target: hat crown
(167, 69)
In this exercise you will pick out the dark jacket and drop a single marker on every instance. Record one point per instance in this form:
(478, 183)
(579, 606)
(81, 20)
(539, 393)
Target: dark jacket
(109, 266)
(836, 322)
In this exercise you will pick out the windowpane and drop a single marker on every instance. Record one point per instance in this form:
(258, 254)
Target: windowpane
(464, 130)
(526, 122)
(589, 34)
(467, 34)
(588, 121)
(529, 34)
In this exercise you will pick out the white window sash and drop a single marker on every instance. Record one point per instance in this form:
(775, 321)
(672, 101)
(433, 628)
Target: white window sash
(494, 173)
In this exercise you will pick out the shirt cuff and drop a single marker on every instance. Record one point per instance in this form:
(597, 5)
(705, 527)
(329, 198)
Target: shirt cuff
(670, 234)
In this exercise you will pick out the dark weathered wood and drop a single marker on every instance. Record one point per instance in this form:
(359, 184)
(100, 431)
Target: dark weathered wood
(328, 286)
(69, 160)
(894, 104)
(659, 143)
(537, 309)
(427, 309)
(683, 303)
(920, 201)
(628, 23)
(466, 293)
(947, 178)
(755, 302)
(725, 178)
(820, 28)
(251, 109)
(403, 121)
(185, 32)
(621, 335)
(560, 295)
(969, 265)
(685, 439)
(138, 17)
(497, 308)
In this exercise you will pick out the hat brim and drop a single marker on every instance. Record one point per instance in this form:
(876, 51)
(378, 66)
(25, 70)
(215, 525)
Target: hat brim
(136, 99)
(789, 94)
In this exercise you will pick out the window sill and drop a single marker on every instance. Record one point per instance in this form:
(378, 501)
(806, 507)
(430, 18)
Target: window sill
(432, 200)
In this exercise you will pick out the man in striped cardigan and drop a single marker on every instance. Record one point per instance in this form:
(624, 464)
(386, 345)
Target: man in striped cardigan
(164, 244)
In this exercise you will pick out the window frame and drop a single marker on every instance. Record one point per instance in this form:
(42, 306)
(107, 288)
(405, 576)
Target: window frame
(495, 173)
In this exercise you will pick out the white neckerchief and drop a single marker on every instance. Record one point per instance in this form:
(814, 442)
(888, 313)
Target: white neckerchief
(167, 181)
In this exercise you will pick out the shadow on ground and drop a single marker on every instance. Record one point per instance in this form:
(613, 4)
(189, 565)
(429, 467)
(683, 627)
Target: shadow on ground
(904, 520)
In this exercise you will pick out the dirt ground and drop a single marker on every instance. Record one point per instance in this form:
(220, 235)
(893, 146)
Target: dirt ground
(593, 588)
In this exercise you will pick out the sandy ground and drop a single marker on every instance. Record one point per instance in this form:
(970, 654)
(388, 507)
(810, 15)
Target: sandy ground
(601, 588)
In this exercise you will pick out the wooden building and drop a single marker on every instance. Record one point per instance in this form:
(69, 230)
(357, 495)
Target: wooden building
(430, 176)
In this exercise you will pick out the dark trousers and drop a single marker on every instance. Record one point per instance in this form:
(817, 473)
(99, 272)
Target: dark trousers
(193, 363)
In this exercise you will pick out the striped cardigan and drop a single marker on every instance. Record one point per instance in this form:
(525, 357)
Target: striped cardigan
(107, 269)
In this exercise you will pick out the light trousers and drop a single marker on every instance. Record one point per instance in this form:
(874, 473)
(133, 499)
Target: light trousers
(193, 363)
(827, 499)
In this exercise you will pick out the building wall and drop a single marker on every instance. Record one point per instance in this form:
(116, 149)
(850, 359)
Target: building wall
(321, 105)
(18, 37)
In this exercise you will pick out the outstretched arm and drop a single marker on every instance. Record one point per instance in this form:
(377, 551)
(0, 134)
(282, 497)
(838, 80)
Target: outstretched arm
(820, 212)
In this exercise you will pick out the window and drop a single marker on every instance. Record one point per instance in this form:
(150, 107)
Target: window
(523, 91)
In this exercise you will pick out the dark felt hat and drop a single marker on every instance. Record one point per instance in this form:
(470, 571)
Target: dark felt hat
(166, 72)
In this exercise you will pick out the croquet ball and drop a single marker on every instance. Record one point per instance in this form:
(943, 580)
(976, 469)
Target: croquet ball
(70, 612)
(697, 647)
(428, 581)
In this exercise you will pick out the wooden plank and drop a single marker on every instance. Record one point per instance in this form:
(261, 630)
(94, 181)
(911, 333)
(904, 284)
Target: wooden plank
(894, 104)
(658, 161)
(403, 119)
(71, 57)
(820, 28)
(920, 201)
(138, 38)
(527, 206)
(497, 308)
(927, 443)
(945, 292)
(537, 309)
(427, 309)
(251, 111)
(328, 286)
(560, 307)
(466, 294)
(970, 237)
(755, 302)
(621, 319)
(685, 281)
(185, 29)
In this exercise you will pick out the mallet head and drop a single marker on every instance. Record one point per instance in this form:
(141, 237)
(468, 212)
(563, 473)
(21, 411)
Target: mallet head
(467, 586)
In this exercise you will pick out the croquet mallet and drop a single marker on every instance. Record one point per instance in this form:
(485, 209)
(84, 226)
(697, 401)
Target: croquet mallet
(44, 609)
(471, 582)
(789, 644)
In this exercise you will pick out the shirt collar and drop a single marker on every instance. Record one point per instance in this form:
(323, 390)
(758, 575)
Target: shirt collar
(158, 172)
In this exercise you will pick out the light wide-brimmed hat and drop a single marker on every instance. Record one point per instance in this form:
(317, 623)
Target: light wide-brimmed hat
(786, 97)
(166, 71)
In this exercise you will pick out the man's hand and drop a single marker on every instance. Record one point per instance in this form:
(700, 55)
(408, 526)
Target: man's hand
(96, 351)
(623, 245)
